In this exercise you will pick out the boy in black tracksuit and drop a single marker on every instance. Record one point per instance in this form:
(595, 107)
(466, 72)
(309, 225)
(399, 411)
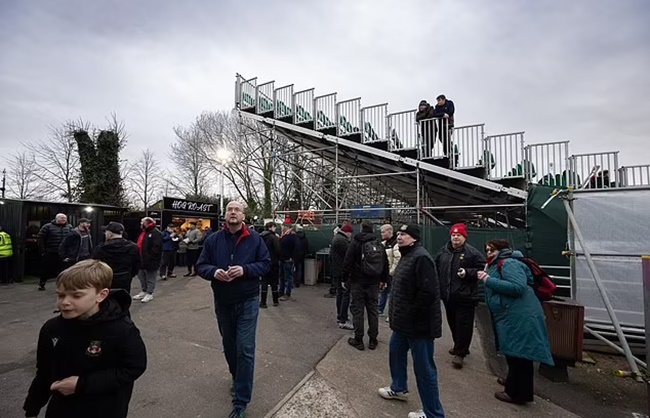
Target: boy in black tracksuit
(89, 356)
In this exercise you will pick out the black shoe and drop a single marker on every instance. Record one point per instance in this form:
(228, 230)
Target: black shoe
(171, 276)
(188, 274)
(41, 287)
(372, 344)
(276, 303)
(164, 277)
(330, 295)
(193, 275)
(237, 413)
(263, 305)
(358, 344)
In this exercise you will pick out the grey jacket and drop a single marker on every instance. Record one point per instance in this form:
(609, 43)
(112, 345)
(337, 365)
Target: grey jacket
(194, 238)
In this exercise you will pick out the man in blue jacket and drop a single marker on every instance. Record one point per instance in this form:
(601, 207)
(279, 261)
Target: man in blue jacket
(233, 260)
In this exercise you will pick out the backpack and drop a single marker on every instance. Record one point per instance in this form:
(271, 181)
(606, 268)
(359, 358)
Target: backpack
(543, 285)
(372, 258)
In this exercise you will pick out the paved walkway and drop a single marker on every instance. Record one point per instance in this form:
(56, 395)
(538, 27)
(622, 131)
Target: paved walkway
(187, 375)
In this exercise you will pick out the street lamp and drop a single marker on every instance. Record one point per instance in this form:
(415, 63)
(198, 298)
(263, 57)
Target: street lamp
(224, 156)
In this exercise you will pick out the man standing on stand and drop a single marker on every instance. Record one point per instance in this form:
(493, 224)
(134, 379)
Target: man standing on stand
(458, 264)
(233, 260)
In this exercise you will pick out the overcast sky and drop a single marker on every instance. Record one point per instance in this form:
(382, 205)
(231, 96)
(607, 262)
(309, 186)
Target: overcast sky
(576, 69)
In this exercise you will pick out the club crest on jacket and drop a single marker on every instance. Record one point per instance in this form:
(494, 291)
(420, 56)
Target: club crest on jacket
(94, 349)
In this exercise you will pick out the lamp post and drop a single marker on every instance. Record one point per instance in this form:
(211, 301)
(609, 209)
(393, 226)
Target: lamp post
(224, 156)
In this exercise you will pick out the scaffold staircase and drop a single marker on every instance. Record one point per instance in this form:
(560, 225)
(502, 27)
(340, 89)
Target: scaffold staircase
(389, 147)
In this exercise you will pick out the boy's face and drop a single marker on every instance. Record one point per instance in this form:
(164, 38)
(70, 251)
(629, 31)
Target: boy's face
(79, 303)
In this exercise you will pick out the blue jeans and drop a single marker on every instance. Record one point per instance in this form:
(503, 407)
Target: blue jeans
(286, 278)
(426, 373)
(238, 325)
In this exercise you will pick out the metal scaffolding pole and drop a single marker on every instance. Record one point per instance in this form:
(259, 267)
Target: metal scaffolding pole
(645, 263)
(417, 191)
(603, 294)
(336, 181)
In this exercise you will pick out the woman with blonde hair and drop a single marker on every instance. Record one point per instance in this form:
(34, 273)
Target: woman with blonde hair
(518, 317)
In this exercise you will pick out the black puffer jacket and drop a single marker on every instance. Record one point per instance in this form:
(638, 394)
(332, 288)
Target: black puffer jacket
(415, 298)
(123, 257)
(151, 251)
(272, 242)
(51, 235)
(340, 244)
(352, 263)
(449, 261)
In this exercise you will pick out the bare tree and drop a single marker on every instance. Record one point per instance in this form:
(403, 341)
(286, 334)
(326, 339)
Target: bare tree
(23, 179)
(144, 178)
(57, 161)
(193, 170)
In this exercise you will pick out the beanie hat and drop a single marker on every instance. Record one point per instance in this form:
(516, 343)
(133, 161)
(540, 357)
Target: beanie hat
(287, 221)
(411, 230)
(459, 229)
(115, 227)
(346, 228)
(423, 103)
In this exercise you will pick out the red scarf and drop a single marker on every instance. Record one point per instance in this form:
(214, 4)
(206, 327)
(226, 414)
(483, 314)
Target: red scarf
(143, 234)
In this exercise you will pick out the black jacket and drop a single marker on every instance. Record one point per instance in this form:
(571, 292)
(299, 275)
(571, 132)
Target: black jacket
(289, 246)
(447, 108)
(427, 113)
(51, 235)
(105, 351)
(70, 247)
(303, 246)
(339, 248)
(414, 309)
(352, 262)
(272, 242)
(151, 251)
(449, 261)
(123, 257)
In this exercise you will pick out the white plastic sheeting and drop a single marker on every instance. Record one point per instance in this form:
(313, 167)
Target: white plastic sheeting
(615, 225)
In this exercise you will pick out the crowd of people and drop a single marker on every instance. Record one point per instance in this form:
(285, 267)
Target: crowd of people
(94, 351)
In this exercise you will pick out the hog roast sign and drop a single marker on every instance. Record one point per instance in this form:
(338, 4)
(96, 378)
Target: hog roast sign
(182, 205)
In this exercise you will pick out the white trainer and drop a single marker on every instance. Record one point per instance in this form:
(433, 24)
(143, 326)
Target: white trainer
(388, 393)
(417, 414)
(147, 298)
(139, 295)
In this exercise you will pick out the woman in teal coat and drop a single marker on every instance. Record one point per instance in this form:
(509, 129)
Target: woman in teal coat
(518, 319)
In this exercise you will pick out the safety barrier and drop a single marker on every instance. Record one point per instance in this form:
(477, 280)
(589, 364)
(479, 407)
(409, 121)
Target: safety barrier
(594, 170)
(248, 89)
(303, 102)
(430, 145)
(505, 156)
(373, 120)
(325, 111)
(402, 130)
(284, 102)
(635, 176)
(468, 146)
(549, 163)
(349, 117)
(264, 97)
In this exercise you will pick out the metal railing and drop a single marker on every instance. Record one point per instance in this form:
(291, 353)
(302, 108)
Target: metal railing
(634, 176)
(349, 117)
(549, 163)
(303, 106)
(248, 89)
(505, 156)
(374, 122)
(264, 97)
(402, 130)
(594, 171)
(284, 102)
(468, 146)
(430, 146)
(325, 111)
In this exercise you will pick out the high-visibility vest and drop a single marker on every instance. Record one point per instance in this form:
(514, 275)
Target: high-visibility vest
(6, 249)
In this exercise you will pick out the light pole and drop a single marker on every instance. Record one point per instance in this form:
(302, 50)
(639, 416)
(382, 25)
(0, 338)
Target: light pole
(224, 156)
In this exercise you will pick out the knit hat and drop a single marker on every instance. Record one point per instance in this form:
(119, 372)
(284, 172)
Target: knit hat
(287, 221)
(411, 230)
(423, 103)
(459, 229)
(346, 228)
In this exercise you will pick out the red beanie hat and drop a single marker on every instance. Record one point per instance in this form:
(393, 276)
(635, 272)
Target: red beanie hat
(459, 229)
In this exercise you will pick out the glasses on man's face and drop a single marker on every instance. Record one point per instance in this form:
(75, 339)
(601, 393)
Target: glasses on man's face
(489, 250)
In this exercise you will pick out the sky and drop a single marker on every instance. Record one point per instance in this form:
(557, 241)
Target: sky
(577, 70)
